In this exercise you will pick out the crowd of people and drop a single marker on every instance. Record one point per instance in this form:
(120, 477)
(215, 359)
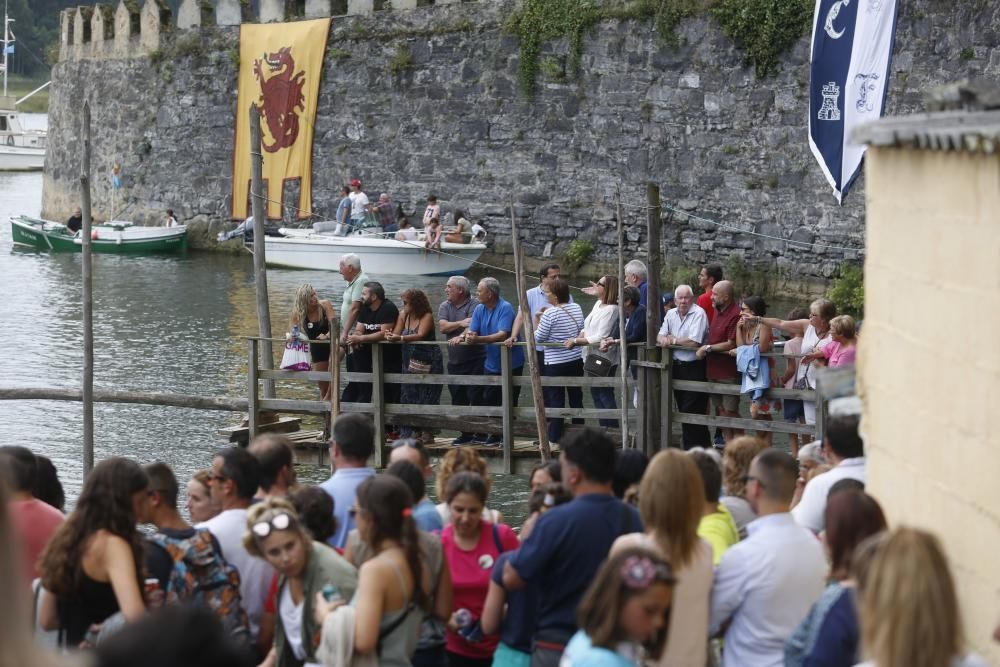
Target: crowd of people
(715, 337)
(355, 211)
(689, 558)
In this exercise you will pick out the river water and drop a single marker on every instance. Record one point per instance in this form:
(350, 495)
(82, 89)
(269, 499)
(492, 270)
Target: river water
(171, 324)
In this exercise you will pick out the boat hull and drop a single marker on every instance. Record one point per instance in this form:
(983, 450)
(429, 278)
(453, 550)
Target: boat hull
(21, 158)
(379, 256)
(32, 233)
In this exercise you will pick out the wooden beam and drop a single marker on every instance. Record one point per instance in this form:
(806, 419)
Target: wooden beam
(529, 335)
(259, 266)
(87, 278)
(745, 424)
(622, 346)
(652, 386)
(134, 397)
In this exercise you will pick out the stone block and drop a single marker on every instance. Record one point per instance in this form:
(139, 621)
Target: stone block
(65, 33)
(360, 6)
(81, 32)
(194, 14)
(317, 9)
(272, 11)
(154, 19)
(230, 12)
(127, 21)
(404, 4)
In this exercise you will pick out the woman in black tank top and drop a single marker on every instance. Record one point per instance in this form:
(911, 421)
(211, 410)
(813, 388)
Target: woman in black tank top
(313, 316)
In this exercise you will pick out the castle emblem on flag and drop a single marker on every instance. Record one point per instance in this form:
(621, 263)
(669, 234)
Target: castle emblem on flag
(831, 95)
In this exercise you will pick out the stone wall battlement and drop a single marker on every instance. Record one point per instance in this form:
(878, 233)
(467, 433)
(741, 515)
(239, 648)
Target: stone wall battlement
(129, 30)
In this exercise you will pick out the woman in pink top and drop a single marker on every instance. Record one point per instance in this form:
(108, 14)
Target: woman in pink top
(471, 546)
(841, 351)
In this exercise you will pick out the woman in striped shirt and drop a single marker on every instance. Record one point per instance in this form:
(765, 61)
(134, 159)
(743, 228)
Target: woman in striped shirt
(559, 322)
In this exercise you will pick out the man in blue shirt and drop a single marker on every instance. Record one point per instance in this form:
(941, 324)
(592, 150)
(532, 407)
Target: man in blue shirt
(492, 322)
(353, 443)
(570, 542)
(343, 212)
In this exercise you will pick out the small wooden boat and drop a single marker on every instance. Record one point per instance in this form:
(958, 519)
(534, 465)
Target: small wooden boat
(115, 237)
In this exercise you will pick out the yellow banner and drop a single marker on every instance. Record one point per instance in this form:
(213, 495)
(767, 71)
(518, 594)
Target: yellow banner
(280, 66)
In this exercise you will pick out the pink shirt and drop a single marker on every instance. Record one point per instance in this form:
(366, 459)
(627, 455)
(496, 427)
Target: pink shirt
(837, 355)
(35, 522)
(470, 580)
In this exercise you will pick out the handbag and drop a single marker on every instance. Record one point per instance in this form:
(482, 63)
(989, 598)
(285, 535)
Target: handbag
(296, 356)
(597, 366)
(803, 382)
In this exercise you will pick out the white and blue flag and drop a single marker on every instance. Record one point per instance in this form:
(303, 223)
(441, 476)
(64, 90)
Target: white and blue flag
(849, 76)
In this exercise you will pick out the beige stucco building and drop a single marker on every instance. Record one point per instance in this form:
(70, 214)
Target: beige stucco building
(929, 367)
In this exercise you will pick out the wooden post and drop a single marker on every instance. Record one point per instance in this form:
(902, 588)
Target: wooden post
(529, 336)
(623, 344)
(253, 390)
(378, 402)
(666, 402)
(652, 385)
(88, 301)
(507, 401)
(259, 269)
(642, 442)
(334, 370)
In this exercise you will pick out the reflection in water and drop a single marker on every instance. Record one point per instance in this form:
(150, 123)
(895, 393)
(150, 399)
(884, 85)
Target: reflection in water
(170, 324)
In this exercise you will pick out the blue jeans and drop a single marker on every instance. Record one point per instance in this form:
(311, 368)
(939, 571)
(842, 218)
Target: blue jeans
(604, 398)
(555, 397)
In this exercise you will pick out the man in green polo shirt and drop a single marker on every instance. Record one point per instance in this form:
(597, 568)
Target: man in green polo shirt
(350, 308)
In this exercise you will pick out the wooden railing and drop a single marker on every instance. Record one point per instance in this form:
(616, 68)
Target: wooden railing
(507, 419)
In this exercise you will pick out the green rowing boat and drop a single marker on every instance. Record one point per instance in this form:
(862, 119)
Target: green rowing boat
(119, 238)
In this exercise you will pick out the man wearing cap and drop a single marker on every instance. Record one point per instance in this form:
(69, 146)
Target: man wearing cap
(686, 326)
(359, 203)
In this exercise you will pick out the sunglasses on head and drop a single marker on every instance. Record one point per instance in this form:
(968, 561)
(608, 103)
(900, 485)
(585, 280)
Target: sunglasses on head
(278, 522)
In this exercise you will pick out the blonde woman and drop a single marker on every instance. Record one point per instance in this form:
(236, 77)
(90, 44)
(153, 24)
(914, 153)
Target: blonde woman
(671, 500)
(909, 609)
(313, 316)
(459, 460)
(842, 351)
(275, 534)
(736, 460)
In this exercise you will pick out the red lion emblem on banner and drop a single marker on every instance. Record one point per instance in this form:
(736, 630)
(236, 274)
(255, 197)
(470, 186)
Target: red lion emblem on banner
(281, 98)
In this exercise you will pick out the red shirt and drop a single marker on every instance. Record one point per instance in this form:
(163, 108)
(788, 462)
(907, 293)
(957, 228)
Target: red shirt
(705, 301)
(470, 580)
(722, 328)
(34, 522)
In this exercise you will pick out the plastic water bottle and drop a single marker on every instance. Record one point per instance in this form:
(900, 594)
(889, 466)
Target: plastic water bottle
(463, 617)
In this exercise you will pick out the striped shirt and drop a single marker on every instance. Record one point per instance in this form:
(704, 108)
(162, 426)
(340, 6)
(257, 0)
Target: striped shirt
(558, 324)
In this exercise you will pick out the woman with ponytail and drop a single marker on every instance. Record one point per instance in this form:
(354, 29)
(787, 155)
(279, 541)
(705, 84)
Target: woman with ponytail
(394, 587)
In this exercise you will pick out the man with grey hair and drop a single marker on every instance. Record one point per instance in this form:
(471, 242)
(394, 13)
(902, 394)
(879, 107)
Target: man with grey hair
(454, 317)
(686, 326)
(492, 322)
(350, 307)
(636, 275)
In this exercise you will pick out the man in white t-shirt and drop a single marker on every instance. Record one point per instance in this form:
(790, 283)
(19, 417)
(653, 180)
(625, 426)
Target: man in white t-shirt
(359, 204)
(687, 326)
(844, 449)
(234, 479)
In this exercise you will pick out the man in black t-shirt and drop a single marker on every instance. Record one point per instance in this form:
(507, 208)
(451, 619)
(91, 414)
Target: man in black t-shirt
(75, 223)
(377, 316)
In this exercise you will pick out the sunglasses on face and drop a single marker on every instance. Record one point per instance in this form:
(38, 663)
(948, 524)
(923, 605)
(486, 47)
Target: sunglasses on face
(278, 522)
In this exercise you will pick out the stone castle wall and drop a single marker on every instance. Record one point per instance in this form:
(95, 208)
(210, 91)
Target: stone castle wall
(419, 99)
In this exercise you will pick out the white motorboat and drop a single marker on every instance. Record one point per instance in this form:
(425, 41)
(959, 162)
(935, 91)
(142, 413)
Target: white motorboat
(381, 254)
(20, 149)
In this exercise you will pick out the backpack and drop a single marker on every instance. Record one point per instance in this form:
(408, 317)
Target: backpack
(201, 576)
